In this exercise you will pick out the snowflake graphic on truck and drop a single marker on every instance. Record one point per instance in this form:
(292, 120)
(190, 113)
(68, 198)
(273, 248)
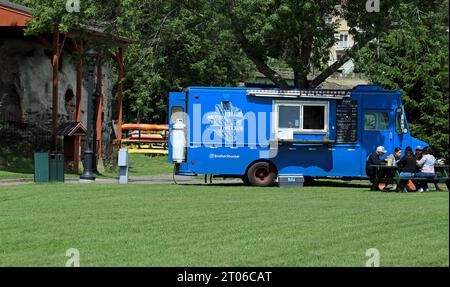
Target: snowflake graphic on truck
(226, 121)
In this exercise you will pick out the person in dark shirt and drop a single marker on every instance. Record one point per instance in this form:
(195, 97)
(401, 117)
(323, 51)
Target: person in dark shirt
(374, 158)
(407, 167)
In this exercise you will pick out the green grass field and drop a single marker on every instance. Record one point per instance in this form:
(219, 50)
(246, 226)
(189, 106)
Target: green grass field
(15, 175)
(144, 165)
(139, 165)
(169, 225)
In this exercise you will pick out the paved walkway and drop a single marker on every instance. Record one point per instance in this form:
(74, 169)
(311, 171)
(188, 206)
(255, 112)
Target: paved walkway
(150, 179)
(7, 182)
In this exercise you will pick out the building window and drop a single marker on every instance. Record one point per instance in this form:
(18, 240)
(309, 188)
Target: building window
(376, 121)
(343, 40)
(302, 117)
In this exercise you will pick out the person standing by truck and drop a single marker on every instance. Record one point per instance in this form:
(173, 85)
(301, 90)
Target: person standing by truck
(426, 165)
(374, 159)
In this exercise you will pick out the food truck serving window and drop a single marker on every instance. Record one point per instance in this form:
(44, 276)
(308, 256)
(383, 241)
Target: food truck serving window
(289, 117)
(308, 117)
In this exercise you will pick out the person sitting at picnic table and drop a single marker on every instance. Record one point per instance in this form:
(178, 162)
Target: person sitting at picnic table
(396, 156)
(407, 167)
(374, 159)
(418, 153)
(426, 165)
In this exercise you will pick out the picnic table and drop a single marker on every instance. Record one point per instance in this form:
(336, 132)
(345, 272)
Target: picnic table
(391, 175)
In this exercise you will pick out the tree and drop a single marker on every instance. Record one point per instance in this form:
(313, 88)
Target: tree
(301, 32)
(180, 43)
(414, 59)
(50, 16)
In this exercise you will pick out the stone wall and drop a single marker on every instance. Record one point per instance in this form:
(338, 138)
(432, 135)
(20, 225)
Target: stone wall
(26, 86)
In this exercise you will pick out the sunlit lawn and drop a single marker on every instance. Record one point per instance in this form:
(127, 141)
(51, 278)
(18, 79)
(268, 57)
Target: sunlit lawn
(140, 165)
(169, 225)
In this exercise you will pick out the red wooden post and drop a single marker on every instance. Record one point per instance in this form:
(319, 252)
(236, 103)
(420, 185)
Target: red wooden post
(99, 110)
(55, 63)
(119, 92)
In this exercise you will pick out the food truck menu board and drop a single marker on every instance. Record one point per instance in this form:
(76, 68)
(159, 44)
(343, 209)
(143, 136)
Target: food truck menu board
(347, 121)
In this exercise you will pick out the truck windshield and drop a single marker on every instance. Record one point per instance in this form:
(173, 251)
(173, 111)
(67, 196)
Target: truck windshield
(376, 121)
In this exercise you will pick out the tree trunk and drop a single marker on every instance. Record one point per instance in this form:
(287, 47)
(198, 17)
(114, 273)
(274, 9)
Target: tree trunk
(300, 80)
(339, 63)
(262, 67)
(329, 71)
(251, 53)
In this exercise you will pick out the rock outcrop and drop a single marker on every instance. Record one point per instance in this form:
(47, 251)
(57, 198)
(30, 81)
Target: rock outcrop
(26, 86)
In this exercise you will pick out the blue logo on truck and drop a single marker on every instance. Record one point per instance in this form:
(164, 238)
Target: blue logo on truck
(226, 121)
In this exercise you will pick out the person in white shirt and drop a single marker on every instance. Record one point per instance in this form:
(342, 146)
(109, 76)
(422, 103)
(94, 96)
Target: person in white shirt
(426, 166)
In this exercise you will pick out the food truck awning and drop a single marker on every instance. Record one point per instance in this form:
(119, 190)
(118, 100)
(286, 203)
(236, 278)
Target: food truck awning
(314, 94)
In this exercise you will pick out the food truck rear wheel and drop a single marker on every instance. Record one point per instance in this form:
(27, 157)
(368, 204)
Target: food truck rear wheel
(262, 174)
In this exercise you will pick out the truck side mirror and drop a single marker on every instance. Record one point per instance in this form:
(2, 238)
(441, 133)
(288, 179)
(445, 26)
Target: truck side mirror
(401, 123)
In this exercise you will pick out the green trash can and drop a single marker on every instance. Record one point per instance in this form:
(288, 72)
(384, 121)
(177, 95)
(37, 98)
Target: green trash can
(41, 167)
(57, 167)
(60, 167)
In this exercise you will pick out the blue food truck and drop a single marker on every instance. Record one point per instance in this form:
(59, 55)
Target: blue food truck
(262, 134)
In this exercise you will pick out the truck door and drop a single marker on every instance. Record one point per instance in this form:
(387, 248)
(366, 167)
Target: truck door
(177, 110)
(378, 130)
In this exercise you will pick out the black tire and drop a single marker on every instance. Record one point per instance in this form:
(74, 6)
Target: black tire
(309, 181)
(261, 174)
(245, 180)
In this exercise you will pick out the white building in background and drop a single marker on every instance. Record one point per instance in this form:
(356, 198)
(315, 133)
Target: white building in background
(344, 41)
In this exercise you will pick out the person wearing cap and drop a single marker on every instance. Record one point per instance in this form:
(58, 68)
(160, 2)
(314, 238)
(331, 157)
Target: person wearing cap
(418, 154)
(374, 159)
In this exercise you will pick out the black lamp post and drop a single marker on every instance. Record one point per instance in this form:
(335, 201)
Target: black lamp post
(88, 173)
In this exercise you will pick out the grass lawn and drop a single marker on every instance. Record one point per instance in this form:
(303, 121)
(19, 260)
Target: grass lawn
(15, 175)
(144, 165)
(169, 225)
(139, 165)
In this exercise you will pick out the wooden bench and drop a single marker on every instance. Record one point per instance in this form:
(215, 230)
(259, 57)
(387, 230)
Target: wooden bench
(392, 175)
(441, 177)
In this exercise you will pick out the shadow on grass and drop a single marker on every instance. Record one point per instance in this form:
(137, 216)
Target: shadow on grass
(316, 183)
(332, 183)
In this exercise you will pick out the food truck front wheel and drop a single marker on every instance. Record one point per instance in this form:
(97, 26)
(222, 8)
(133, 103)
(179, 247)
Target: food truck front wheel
(262, 173)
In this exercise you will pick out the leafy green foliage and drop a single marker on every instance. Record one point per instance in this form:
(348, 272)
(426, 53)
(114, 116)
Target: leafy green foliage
(414, 58)
(300, 33)
(51, 15)
(179, 44)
